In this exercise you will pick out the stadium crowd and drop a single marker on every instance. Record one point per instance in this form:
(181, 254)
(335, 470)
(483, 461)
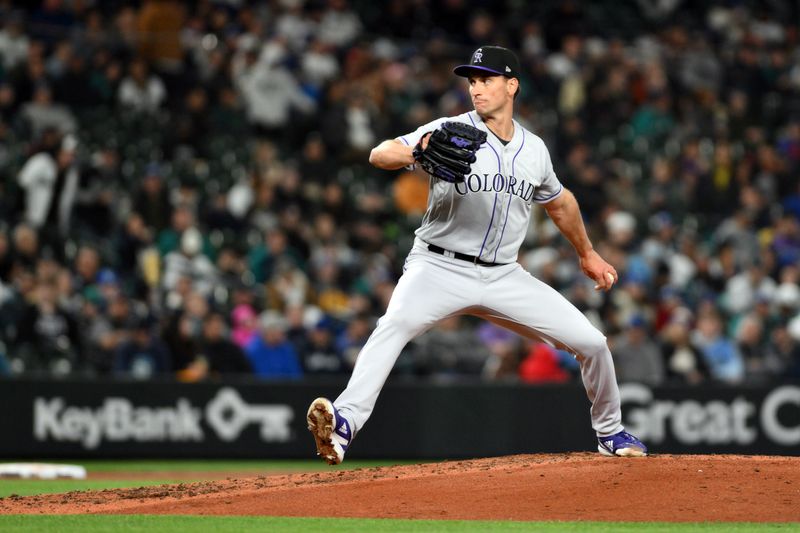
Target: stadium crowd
(185, 188)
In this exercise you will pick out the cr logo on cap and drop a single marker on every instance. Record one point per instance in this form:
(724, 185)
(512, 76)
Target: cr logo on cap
(476, 57)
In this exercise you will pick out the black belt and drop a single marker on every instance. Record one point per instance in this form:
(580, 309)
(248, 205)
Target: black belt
(458, 255)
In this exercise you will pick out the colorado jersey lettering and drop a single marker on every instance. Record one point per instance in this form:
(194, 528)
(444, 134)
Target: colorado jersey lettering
(487, 215)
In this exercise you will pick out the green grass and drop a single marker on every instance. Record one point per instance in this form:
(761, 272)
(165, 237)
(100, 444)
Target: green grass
(216, 465)
(28, 487)
(243, 524)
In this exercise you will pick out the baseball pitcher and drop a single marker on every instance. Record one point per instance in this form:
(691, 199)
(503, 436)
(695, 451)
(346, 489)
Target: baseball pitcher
(486, 172)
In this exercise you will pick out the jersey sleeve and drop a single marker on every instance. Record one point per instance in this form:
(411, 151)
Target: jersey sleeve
(411, 139)
(550, 188)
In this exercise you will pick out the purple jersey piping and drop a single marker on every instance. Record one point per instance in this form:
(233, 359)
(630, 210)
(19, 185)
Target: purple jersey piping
(494, 205)
(560, 187)
(510, 198)
(513, 161)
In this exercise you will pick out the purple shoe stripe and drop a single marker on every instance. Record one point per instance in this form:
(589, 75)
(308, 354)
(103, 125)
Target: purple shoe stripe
(620, 440)
(342, 428)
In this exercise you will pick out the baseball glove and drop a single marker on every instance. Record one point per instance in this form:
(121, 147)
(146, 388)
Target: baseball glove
(450, 151)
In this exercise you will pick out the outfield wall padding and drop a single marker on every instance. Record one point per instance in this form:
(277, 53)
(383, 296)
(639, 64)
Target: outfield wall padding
(414, 420)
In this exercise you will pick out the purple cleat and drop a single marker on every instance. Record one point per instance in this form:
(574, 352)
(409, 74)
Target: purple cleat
(330, 430)
(621, 444)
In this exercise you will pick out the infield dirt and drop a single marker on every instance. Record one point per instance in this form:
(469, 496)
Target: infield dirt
(582, 486)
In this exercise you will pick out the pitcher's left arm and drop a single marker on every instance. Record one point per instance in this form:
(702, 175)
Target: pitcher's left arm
(566, 214)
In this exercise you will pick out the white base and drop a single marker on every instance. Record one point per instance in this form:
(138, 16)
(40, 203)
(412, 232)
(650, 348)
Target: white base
(42, 471)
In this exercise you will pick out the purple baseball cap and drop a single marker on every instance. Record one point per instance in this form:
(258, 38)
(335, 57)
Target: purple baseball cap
(491, 59)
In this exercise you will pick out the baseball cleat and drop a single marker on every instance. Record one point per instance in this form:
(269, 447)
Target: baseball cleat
(330, 430)
(621, 444)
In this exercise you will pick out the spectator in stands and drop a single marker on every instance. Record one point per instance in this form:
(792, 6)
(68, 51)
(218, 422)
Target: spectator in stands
(104, 78)
(159, 25)
(87, 266)
(231, 267)
(723, 358)
(25, 248)
(318, 352)
(541, 365)
(13, 42)
(182, 219)
(184, 331)
(151, 199)
(450, 348)
(354, 124)
(191, 125)
(269, 91)
(288, 286)
(786, 241)
(350, 341)
(264, 259)
(30, 73)
(218, 356)
(42, 113)
(110, 327)
(56, 64)
(48, 337)
(340, 25)
(51, 20)
(684, 363)
(741, 289)
(782, 356)
(228, 114)
(318, 65)
(130, 240)
(751, 342)
(144, 355)
(141, 91)
(245, 327)
(270, 354)
(50, 181)
(636, 357)
(190, 262)
(94, 202)
(504, 347)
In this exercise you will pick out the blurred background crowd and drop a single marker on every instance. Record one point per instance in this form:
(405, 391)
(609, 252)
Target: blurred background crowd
(184, 187)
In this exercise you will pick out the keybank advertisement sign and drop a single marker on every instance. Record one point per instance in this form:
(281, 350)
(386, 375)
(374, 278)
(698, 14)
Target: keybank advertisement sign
(743, 418)
(119, 419)
(257, 419)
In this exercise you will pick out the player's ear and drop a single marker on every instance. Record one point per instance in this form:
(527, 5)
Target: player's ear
(512, 86)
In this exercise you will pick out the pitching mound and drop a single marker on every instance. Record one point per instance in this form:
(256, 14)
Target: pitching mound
(523, 487)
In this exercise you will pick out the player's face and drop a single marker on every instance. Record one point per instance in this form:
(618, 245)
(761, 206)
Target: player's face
(490, 93)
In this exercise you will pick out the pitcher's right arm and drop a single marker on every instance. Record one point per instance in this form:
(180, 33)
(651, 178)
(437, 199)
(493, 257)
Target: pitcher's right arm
(391, 154)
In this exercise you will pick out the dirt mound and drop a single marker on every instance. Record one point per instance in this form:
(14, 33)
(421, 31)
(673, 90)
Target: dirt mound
(523, 487)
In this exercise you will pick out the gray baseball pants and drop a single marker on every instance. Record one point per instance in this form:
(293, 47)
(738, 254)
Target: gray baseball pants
(434, 287)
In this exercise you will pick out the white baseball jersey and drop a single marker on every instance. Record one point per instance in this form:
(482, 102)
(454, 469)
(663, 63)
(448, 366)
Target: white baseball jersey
(488, 214)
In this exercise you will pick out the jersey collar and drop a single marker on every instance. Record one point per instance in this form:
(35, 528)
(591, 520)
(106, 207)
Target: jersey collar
(516, 139)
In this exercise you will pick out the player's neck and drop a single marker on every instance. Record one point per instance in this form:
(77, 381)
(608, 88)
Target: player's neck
(501, 125)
